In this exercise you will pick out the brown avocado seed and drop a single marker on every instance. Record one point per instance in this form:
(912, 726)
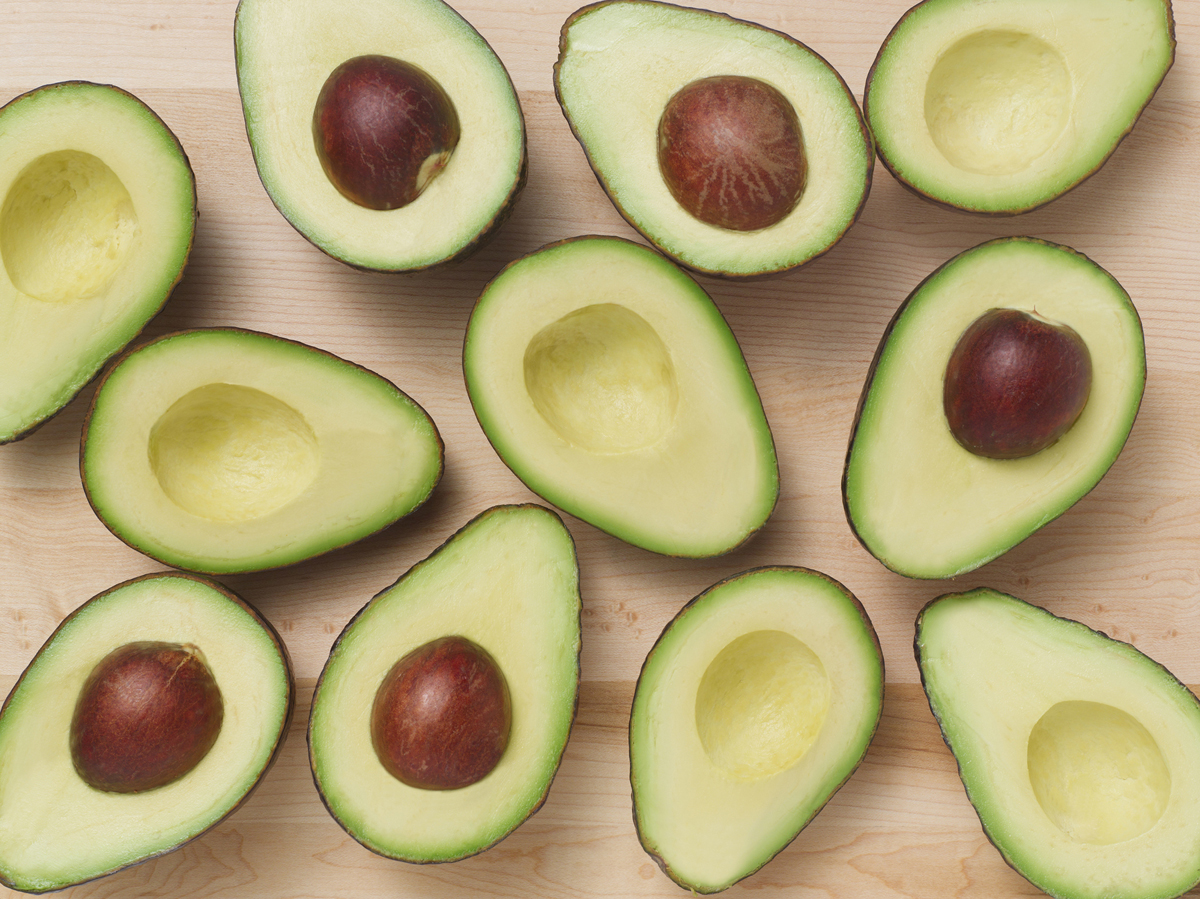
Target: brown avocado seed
(384, 129)
(731, 152)
(1015, 383)
(442, 716)
(146, 715)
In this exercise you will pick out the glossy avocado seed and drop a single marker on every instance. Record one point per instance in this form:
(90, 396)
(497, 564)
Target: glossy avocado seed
(1015, 383)
(442, 716)
(147, 714)
(731, 152)
(384, 129)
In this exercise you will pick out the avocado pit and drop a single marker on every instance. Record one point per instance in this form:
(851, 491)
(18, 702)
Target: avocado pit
(1015, 384)
(442, 715)
(731, 152)
(147, 714)
(384, 129)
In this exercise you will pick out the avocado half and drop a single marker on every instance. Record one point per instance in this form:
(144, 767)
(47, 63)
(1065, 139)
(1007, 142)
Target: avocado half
(56, 830)
(224, 450)
(610, 383)
(755, 705)
(915, 498)
(1000, 107)
(287, 49)
(96, 225)
(1080, 754)
(508, 581)
(619, 64)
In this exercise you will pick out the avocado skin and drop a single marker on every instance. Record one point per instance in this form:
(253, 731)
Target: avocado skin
(882, 154)
(868, 141)
(284, 655)
(870, 377)
(21, 435)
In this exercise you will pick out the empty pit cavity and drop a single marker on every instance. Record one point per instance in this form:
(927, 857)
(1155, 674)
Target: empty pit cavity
(996, 101)
(1097, 772)
(761, 704)
(602, 378)
(230, 453)
(66, 227)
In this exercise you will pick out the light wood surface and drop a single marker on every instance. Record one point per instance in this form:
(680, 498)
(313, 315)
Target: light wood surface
(1125, 560)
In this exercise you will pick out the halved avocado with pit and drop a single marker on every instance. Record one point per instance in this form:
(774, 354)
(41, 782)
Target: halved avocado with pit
(621, 63)
(58, 830)
(1080, 754)
(225, 450)
(287, 50)
(507, 584)
(1003, 106)
(96, 224)
(756, 704)
(610, 383)
(916, 498)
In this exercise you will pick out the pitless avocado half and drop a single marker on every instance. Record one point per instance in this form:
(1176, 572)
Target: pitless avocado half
(610, 383)
(224, 450)
(98, 215)
(1080, 754)
(756, 703)
(1001, 107)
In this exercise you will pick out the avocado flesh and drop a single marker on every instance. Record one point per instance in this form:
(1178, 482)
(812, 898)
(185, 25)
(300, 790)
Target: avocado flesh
(57, 831)
(97, 213)
(508, 581)
(1001, 107)
(610, 383)
(917, 500)
(286, 49)
(225, 450)
(755, 705)
(621, 61)
(1080, 754)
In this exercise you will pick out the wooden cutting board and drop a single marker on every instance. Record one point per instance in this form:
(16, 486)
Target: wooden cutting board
(1125, 560)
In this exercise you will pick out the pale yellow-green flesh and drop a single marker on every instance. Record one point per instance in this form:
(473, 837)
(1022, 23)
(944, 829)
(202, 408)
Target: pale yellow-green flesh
(55, 829)
(286, 51)
(1005, 104)
(610, 383)
(509, 583)
(226, 451)
(755, 706)
(621, 64)
(922, 503)
(96, 218)
(1080, 754)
